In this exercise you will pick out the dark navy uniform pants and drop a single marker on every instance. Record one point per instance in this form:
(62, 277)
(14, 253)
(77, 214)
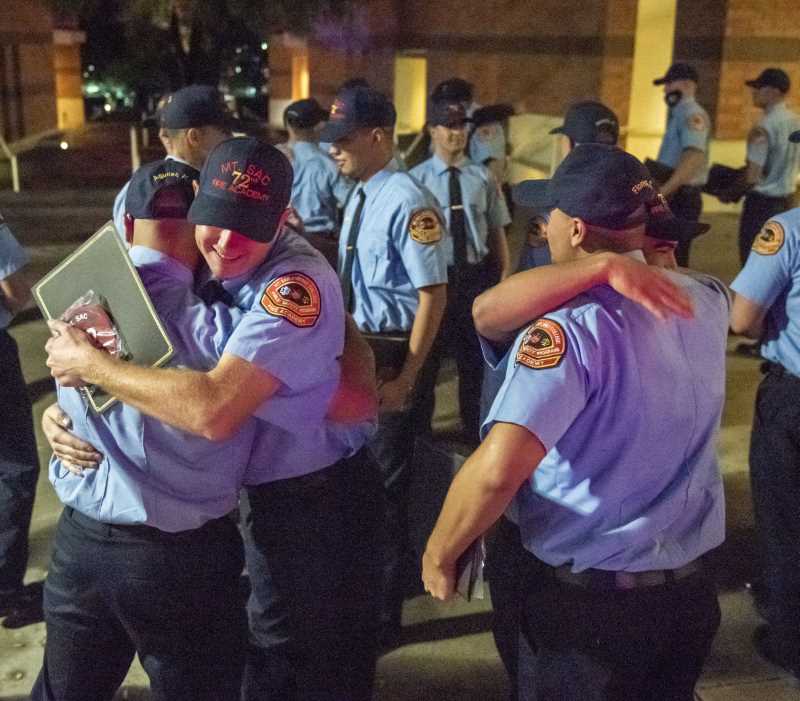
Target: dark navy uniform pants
(607, 644)
(19, 467)
(312, 549)
(686, 203)
(775, 483)
(756, 211)
(507, 562)
(457, 337)
(172, 598)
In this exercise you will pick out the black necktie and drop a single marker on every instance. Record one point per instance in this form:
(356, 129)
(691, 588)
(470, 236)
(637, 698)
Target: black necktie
(458, 229)
(346, 272)
(213, 291)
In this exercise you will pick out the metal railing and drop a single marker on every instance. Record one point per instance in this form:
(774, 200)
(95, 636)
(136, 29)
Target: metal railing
(12, 157)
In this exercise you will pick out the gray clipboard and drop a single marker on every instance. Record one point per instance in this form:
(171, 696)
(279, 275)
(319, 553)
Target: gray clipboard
(102, 264)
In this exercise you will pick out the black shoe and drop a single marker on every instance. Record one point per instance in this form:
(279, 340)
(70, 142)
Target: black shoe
(748, 350)
(24, 608)
(765, 647)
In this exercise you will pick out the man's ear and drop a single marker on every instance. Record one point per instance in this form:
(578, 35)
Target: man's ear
(193, 136)
(579, 231)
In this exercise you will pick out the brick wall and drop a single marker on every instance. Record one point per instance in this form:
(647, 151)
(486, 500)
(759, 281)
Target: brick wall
(27, 98)
(758, 34)
(539, 57)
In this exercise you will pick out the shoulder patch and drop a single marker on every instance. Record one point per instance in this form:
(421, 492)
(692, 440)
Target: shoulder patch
(425, 227)
(543, 345)
(696, 122)
(770, 239)
(295, 297)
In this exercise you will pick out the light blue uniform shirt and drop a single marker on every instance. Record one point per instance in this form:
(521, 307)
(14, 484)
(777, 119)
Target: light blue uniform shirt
(13, 258)
(772, 280)
(688, 126)
(768, 146)
(318, 188)
(389, 264)
(629, 416)
(152, 473)
(293, 437)
(484, 206)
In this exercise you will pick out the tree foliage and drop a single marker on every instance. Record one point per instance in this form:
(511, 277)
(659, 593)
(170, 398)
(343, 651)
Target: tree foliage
(171, 43)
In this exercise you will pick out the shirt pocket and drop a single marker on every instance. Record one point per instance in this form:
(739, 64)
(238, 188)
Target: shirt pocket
(378, 259)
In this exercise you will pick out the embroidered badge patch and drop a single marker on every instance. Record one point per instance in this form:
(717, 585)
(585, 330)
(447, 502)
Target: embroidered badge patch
(770, 239)
(295, 297)
(696, 122)
(543, 346)
(425, 227)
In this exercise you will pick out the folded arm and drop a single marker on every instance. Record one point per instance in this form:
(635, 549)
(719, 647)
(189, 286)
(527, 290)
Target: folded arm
(503, 309)
(211, 404)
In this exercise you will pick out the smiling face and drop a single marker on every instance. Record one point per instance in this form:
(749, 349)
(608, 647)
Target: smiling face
(449, 140)
(363, 153)
(229, 253)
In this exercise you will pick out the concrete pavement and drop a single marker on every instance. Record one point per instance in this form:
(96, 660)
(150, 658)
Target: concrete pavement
(447, 651)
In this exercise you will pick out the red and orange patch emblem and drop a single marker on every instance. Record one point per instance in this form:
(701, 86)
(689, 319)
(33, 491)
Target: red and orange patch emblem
(543, 345)
(295, 297)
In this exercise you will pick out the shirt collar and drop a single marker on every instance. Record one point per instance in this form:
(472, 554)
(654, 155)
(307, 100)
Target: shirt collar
(304, 147)
(440, 167)
(377, 181)
(152, 259)
(179, 160)
(776, 108)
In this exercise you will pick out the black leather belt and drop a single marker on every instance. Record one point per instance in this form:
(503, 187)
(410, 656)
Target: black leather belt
(141, 530)
(607, 580)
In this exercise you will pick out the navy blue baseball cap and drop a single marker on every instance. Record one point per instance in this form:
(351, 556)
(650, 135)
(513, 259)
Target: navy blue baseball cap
(245, 186)
(663, 224)
(678, 71)
(196, 106)
(358, 108)
(161, 190)
(602, 185)
(590, 122)
(305, 114)
(491, 114)
(447, 113)
(456, 89)
(771, 78)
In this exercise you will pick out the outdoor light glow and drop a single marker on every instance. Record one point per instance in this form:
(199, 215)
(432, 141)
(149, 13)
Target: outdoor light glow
(91, 68)
(64, 145)
(107, 107)
(264, 45)
(92, 88)
(238, 69)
